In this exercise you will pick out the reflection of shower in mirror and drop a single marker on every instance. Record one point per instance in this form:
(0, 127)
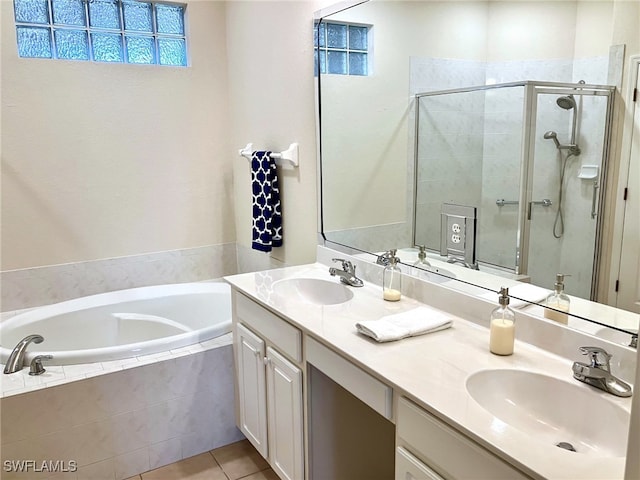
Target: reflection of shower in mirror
(478, 144)
(566, 102)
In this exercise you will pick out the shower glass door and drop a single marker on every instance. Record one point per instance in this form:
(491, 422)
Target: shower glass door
(568, 144)
(469, 153)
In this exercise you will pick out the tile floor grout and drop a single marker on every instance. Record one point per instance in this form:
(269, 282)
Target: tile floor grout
(237, 461)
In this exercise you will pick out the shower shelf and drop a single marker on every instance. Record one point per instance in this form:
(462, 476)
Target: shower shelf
(588, 171)
(288, 156)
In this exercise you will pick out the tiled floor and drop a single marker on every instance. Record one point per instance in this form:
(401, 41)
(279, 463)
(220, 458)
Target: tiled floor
(232, 462)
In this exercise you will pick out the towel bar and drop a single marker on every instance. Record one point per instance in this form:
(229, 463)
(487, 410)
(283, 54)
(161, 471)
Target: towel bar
(289, 155)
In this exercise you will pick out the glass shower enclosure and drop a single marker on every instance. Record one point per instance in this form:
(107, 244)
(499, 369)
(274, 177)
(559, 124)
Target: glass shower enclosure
(531, 158)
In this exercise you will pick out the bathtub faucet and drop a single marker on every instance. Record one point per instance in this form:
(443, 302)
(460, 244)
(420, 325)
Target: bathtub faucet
(16, 359)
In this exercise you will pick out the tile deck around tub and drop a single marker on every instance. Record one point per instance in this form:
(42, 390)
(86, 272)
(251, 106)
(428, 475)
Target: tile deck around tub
(22, 382)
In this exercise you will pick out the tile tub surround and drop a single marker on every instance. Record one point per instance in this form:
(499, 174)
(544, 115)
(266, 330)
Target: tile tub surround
(128, 421)
(31, 287)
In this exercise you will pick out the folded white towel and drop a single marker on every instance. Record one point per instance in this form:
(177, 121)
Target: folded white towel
(414, 322)
(525, 292)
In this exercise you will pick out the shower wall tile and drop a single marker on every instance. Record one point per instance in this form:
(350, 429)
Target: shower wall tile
(431, 74)
(553, 70)
(594, 70)
(37, 286)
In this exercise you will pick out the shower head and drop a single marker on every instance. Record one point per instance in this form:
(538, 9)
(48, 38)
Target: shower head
(553, 136)
(566, 102)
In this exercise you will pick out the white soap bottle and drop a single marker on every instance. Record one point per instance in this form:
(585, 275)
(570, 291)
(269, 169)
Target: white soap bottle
(558, 302)
(392, 279)
(502, 330)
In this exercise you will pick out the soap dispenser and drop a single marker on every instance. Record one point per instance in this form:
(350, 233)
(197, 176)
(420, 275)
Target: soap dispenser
(558, 302)
(422, 257)
(392, 279)
(502, 331)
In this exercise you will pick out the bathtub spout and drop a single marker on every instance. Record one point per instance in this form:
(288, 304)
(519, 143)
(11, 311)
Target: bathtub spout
(16, 359)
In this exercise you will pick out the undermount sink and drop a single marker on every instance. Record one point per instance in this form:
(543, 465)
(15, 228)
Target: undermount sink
(312, 290)
(553, 411)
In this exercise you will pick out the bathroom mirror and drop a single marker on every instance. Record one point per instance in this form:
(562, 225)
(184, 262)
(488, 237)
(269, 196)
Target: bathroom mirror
(427, 103)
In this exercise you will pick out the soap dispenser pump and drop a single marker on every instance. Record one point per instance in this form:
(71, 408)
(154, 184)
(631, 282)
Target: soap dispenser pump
(422, 257)
(502, 326)
(558, 302)
(392, 279)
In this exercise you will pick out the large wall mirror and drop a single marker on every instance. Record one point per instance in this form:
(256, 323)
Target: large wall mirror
(500, 110)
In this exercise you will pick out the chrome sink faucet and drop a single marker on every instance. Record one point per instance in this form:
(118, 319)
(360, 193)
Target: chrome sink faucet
(347, 274)
(16, 358)
(598, 372)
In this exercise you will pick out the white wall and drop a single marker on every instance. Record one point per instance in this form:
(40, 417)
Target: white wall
(271, 89)
(365, 119)
(108, 160)
(104, 160)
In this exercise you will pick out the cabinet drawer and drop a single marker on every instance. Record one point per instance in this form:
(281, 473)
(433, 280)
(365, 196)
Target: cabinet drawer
(409, 467)
(364, 386)
(287, 337)
(448, 452)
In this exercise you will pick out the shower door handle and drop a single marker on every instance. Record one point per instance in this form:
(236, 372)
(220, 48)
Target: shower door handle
(594, 200)
(545, 202)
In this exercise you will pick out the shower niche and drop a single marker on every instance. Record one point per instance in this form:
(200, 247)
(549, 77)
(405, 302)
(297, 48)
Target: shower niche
(539, 150)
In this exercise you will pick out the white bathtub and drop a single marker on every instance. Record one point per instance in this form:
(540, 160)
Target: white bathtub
(122, 324)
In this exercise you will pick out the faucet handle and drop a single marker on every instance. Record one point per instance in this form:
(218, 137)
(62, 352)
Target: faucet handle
(347, 266)
(593, 353)
(36, 367)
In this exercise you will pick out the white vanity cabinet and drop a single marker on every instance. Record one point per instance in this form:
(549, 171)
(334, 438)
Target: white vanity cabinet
(427, 448)
(268, 353)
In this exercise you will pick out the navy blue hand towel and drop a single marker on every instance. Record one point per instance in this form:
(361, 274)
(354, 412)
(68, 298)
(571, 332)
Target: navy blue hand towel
(267, 216)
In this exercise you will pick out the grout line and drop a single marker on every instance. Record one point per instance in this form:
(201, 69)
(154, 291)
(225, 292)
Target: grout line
(218, 464)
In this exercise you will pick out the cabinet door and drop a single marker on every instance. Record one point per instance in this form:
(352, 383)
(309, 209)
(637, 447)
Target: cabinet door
(284, 404)
(251, 388)
(409, 467)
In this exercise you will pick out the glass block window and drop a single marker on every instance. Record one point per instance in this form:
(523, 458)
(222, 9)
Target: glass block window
(120, 31)
(341, 48)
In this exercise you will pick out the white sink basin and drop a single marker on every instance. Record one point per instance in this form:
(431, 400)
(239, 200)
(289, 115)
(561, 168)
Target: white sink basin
(312, 290)
(553, 411)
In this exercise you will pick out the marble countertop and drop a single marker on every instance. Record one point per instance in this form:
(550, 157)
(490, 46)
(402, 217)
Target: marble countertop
(433, 369)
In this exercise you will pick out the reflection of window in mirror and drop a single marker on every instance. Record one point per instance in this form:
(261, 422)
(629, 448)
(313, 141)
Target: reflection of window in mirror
(342, 48)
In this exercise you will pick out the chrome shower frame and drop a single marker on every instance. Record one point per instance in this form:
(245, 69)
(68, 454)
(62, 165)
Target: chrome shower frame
(531, 91)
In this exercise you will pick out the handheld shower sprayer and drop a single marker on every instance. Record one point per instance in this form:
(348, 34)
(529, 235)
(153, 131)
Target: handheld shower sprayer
(553, 136)
(567, 102)
(572, 147)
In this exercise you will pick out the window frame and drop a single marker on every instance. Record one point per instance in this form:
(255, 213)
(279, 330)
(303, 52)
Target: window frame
(122, 32)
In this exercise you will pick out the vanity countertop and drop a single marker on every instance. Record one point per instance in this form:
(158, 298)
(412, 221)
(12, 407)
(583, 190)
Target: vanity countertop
(432, 369)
